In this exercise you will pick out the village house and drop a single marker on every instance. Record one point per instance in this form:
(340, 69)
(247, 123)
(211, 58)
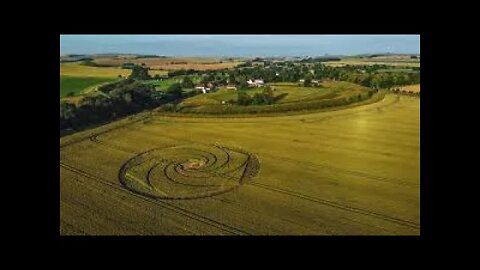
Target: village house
(207, 88)
(315, 82)
(203, 88)
(255, 83)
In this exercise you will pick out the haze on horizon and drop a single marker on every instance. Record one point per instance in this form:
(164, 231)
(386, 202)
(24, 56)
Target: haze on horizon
(240, 45)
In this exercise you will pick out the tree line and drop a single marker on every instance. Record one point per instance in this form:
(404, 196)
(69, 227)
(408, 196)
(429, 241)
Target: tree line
(369, 76)
(116, 100)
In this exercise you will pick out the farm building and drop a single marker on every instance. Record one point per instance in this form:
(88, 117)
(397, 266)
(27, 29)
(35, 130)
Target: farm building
(206, 88)
(256, 83)
(203, 88)
(316, 82)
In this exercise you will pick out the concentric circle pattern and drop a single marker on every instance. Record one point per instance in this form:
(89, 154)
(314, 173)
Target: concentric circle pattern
(188, 171)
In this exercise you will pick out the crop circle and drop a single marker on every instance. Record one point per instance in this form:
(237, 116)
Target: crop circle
(188, 171)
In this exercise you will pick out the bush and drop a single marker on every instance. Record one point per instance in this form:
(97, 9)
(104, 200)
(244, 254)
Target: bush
(243, 98)
(187, 82)
(140, 73)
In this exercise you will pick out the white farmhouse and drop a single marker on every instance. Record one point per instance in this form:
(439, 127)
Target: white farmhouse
(256, 83)
(203, 88)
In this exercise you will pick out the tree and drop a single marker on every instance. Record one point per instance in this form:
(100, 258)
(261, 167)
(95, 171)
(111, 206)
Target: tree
(232, 79)
(128, 98)
(175, 91)
(268, 96)
(307, 83)
(241, 81)
(139, 73)
(187, 82)
(68, 112)
(205, 79)
(243, 98)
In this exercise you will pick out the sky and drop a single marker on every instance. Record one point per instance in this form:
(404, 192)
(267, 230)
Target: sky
(240, 45)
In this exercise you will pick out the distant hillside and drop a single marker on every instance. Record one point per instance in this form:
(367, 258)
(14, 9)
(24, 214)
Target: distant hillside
(74, 58)
(90, 57)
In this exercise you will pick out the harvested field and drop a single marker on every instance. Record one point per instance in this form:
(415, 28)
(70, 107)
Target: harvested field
(79, 70)
(172, 63)
(389, 61)
(412, 88)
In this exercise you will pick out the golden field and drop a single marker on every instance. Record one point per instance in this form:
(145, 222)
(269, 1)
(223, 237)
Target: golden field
(354, 171)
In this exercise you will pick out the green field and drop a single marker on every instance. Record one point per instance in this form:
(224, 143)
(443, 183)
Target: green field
(163, 84)
(293, 98)
(294, 93)
(346, 172)
(77, 84)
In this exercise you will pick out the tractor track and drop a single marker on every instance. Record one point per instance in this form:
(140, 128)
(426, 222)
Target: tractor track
(347, 208)
(153, 114)
(390, 180)
(351, 114)
(95, 139)
(169, 206)
(87, 137)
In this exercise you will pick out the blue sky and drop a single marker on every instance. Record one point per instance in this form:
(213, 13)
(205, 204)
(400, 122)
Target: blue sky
(239, 45)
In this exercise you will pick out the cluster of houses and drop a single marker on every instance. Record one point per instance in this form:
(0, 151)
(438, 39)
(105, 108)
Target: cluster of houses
(209, 87)
(251, 83)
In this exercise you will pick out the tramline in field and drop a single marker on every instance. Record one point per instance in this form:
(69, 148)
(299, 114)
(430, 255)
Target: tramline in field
(234, 135)
(351, 171)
